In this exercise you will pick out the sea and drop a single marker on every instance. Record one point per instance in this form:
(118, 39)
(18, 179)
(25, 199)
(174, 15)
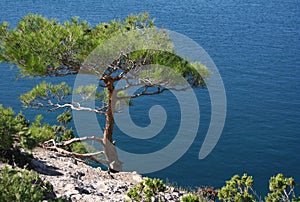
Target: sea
(255, 46)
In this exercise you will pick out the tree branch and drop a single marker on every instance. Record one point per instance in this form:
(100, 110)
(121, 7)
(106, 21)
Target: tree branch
(55, 147)
(66, 143)
(158, 91)
(129, 84)
(90, 156)
(101, 110)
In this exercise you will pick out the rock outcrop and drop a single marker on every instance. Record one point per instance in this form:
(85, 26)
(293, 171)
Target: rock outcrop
(77, 181)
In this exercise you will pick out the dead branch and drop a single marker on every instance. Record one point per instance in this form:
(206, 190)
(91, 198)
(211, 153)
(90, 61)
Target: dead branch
(69, 142)
(90, 156)
(78, 107)
(53, 146)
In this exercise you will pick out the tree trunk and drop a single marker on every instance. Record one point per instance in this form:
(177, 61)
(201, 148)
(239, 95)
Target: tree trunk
(109, 148)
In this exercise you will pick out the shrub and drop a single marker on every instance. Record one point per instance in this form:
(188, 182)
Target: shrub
(237, 189)
(79, 148)
(282, 189)
(146, 189)
(63, 133)
(240, 189)
(17, 131)
(37, 133)
(10, 127)
(190, 198)
(6, 128)
(23, 185)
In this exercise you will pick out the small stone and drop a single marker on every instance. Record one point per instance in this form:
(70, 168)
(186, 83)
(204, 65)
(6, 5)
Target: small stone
(117, 192)
(76, 197)
(82, 190)
(52, 156)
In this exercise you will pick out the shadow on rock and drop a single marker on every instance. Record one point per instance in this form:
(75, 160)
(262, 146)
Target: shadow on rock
(42, 168)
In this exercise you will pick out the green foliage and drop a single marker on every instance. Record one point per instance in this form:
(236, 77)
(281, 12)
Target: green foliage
(237, 189)
(7, 128)
(122, 103)
(180, 66)
(80, 148)
(240, 189)
(64, 118)
(17, 130)
(146, 189)
(134, 194)
(46, 47)
(45, 92)
(23, 185)
(41, 46)
(11, 127)
(282, 189)
(88, 92)
(37, 133)
(63, 133)
(190, 198)
(202, 69)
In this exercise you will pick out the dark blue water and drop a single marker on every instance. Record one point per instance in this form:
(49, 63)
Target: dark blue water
(256, 47)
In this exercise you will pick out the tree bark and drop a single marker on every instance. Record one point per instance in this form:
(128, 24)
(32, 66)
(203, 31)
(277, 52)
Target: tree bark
(109, 125)
(109, 148)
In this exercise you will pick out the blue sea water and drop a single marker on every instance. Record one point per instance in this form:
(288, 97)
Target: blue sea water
(256, 47)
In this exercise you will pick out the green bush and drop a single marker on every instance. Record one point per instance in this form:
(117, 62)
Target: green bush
(17, 131)
(79, 148)
(63, 133)
(6, 128)
(237, 189)
(146, 189)
(37, 133)
(190, 198)
(10, 127)
(23, 185)
(240, 189)
(282, 189)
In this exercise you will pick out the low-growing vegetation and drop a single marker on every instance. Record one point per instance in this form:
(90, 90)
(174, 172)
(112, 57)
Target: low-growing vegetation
(190, 198)
(21, 185)
(17, 132)
(146, 189)
(241, 189)
(236, 189)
